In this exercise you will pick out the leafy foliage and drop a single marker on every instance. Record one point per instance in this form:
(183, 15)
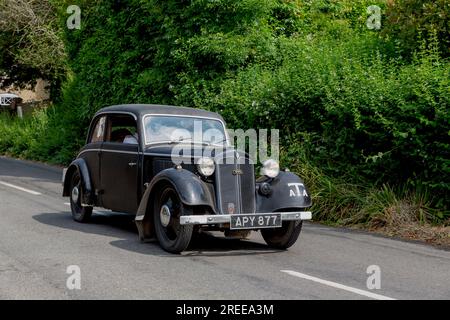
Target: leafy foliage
(409, 22)
(357, 115)
(31, 43)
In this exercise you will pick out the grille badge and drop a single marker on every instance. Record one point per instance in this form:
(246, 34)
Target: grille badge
(237, 172)
(231, 208)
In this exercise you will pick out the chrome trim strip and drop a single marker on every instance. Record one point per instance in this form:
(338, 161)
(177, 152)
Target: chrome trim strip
(121, 151)
(106, 150)
(137, 152)
(87, 150)
(238, 183)
(167, 155)
(226, 218)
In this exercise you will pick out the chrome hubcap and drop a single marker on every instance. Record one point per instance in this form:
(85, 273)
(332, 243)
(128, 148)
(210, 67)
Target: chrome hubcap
(75, 194)
(164, 215)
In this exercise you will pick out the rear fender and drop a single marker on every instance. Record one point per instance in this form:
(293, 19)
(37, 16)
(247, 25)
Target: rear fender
(80, 166)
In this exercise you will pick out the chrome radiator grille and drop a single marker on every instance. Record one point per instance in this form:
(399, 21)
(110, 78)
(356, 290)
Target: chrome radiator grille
(235, 188)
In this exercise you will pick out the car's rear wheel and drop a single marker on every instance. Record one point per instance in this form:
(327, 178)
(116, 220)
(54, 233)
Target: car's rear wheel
(172, 236)
(80, 213)
(283, 237)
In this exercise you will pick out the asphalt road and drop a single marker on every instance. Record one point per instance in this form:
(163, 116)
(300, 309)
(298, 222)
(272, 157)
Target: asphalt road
(39, 241)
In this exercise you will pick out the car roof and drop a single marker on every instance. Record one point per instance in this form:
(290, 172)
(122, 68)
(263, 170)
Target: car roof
(140, 110)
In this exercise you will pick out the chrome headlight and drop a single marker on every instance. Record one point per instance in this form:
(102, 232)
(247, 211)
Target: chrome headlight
(206, 166)
(271, 168)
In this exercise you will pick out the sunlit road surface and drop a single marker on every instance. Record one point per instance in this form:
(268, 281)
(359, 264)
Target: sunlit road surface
(39, 241)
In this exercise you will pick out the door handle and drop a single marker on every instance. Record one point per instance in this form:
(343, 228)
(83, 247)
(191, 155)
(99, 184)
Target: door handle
(132, 164)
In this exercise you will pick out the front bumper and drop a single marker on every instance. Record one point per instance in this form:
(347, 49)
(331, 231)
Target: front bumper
(226, 218)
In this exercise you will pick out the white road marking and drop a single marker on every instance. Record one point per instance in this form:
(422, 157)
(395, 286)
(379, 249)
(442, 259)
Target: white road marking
(20, 188)
(338, 285)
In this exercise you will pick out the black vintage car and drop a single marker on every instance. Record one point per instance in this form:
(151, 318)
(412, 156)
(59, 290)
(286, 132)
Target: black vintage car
(151, 162)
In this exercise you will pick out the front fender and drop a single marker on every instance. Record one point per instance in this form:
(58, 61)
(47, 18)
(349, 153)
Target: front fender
(190, 188)
(287, 191)
(80, 165)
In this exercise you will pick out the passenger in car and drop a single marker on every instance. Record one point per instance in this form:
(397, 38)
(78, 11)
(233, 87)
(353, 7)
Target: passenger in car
(120, 135)
(131, 139)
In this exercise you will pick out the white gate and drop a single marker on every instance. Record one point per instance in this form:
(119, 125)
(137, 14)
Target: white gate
(6, 99)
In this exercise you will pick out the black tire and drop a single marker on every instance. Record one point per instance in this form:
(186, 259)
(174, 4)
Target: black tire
(284, 237)
(79, 213)
(172, 236)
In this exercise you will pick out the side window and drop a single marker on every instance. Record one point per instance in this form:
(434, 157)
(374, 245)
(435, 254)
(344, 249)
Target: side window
(122, 129)
(99, 131)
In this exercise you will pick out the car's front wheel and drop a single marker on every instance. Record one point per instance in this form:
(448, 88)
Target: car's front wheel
(172, 236)
(80, 213)
(283, 237)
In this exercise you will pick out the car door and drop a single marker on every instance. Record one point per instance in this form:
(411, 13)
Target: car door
(90, 153)
(120, 164)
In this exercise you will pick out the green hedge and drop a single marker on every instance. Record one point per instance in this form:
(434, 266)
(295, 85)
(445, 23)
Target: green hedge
(356, 113)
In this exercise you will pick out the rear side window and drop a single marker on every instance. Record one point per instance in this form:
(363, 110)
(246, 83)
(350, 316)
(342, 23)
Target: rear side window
(122, 129)
(99, 131)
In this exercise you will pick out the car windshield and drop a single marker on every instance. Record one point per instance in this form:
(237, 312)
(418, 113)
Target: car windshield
(173, 129)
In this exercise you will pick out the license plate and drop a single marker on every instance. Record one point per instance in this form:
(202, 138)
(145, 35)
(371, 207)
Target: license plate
(255, 221)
